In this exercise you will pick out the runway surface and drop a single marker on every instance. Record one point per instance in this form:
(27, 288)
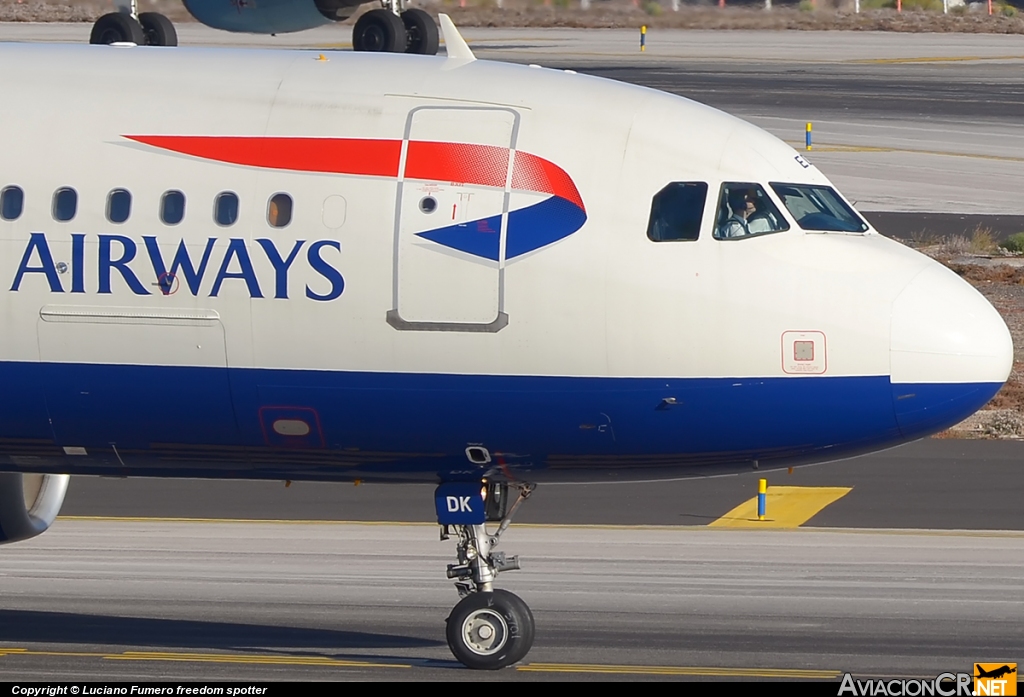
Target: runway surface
(150, 600)
(277, 589)
(919, 569)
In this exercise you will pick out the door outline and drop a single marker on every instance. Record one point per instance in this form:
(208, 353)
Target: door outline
(394, 317)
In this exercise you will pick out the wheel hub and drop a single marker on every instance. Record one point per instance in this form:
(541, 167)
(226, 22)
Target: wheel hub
(485, 632)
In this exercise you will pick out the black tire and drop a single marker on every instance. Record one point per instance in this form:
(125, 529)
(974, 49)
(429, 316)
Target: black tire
(488, 631)
(117, 28)
(379, 31)
(159, 30)
(421, 31)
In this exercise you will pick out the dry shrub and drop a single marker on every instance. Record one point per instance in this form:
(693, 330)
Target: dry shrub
(983, 241)
(954, 245)
(923, 238)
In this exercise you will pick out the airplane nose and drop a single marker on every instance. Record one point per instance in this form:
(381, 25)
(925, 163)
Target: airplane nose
(950, 352)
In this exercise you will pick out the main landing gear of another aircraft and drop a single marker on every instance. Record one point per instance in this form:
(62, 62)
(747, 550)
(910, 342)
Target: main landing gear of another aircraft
(393, 30)
(489, 628)
(130, 26)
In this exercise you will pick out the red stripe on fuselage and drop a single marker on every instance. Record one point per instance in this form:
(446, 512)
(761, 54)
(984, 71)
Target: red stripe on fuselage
(461, 163)
(374, 158)
(486, 165)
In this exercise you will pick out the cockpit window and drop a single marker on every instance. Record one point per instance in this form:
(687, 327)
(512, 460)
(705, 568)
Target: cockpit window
(676, 212)
(819, 208)
(744, 210)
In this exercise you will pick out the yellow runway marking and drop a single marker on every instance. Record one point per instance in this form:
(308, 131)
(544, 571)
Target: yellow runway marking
(936, 59)
(786, 507)
(208, 658)
(868, 148)
(680, 670)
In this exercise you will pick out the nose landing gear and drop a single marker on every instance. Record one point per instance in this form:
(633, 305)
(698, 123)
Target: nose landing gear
(489, 628)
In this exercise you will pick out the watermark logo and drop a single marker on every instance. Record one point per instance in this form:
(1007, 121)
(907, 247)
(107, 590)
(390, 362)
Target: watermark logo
(988, 680)
(995, 679)
(942, 685)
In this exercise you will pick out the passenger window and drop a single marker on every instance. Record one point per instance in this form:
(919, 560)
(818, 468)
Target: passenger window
(279, 211)
(65, 204)
(12, 201)
(676, 212)
(119, 206)
(225, 209)
(172, 207)
(744, 210)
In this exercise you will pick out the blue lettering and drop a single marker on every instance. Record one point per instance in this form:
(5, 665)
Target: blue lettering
(236, 248)
(280, 265)
(325, 270)
(182, 260)
(106, 264)
(78, 263)
(37, 242)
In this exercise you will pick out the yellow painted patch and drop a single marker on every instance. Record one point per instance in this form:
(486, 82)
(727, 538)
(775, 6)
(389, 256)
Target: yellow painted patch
(785, 507)
(679, 670)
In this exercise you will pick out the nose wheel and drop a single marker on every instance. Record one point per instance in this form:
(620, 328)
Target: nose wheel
(488, 631)
(489, 628)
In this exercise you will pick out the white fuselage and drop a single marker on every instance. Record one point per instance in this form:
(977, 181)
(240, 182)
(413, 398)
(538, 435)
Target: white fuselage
(408, 333)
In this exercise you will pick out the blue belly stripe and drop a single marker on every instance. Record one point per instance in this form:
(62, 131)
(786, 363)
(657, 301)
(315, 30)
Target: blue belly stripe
(326, 423)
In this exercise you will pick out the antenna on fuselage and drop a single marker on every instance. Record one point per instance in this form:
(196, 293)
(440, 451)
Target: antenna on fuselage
(454, 44)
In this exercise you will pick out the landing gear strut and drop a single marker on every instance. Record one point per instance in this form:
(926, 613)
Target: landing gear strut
(127, 25)
(394, 29)
(489, 628)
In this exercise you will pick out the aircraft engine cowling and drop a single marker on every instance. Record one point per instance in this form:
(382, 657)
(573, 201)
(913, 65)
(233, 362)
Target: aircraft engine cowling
(29, 503)
(270, 16)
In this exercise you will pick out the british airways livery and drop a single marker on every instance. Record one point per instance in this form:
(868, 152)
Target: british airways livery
(288, 265)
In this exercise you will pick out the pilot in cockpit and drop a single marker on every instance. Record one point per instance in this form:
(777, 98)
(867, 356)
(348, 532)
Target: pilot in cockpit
(742, 207)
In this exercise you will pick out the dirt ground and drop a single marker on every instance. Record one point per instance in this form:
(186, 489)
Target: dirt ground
(825, 15)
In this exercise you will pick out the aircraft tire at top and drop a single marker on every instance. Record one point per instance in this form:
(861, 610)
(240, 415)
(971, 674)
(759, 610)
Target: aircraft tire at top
(117, 28)
(380, 31)
(422, 32)
(488, 631)
(158, 30)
